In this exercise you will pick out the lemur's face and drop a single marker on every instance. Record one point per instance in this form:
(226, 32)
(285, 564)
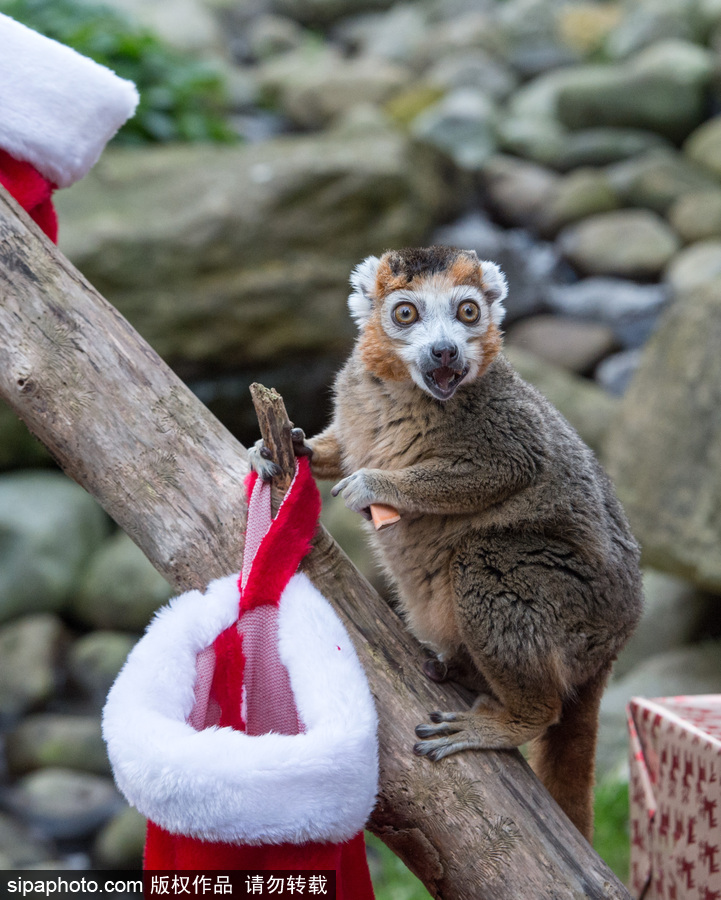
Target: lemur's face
(430, 315)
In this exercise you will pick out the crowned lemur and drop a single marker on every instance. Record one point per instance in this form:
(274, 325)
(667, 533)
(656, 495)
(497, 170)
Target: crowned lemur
(513, 560)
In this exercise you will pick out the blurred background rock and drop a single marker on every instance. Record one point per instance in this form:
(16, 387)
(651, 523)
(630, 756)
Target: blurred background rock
(279, 142)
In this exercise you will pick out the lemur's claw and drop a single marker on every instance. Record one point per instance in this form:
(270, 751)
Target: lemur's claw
(261, 461)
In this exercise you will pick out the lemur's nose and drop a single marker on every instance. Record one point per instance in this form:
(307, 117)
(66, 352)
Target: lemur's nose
(445, 354)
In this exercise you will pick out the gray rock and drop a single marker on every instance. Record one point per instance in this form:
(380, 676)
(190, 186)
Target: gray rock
(662, 89)
(518, 191)
(614, 373)
(120, 589)
(19, 847)
(697, 216)
(572, 344)
(588, 408)
(630, 309)
(604, 146)
(48, 528)
(703, 146)
(186, 24)
(689, 670)
(462, 125)
(18, 448)
(53, 739)
(120, 843)
(323, 12)
(61, 803)
(695, 266)
(530, 266)
(269, 35)
(30, 656)
(630, 243)
(95, 660)
(469, 69)
(674, 613)
(649, 21)
(234, 254)
(576, 196)
(397, 35)
(541, 140)
(316, 84)
(665, 446)
(657, 179)
(529, 37)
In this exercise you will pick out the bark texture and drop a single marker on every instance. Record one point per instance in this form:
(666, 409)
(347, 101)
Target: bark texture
(121, 424)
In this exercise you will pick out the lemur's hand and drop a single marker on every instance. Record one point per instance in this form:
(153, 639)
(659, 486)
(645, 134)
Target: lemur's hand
(358, 491)
(261, 459)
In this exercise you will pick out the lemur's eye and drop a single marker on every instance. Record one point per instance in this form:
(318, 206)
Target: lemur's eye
(468, 312)
(405, 314)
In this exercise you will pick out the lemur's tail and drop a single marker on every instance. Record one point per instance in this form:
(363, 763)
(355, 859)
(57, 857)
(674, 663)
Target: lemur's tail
(564, 756)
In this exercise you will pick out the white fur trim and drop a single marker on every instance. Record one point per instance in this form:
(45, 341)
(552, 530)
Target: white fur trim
(58, 109)
(223, 785)
(495, 288)
(363, 280)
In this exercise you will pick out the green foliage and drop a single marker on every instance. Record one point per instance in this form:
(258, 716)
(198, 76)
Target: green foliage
(611, 838)
(180, 98)
(391, 879)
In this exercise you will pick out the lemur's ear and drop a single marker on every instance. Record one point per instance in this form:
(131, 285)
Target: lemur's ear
(363, 280)
(495, 289)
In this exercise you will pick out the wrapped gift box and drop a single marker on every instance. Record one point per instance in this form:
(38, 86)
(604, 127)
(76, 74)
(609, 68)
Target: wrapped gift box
(676, 797)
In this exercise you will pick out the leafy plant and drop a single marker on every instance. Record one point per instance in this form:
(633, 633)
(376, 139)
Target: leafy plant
(611, 838)
(181, 98)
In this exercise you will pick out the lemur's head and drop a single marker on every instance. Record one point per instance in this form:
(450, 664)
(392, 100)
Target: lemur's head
(429, 314)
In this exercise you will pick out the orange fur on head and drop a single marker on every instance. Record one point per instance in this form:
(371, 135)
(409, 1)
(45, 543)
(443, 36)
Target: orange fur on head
(490, 342)
(378, 353)
(466, 271)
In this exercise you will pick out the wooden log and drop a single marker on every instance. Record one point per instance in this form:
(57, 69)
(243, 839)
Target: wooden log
(118, 421)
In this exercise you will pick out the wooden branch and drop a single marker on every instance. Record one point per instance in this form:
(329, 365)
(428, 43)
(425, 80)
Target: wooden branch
(475, 825)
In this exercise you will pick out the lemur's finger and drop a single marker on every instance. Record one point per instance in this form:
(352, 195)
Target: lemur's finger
(300, 448)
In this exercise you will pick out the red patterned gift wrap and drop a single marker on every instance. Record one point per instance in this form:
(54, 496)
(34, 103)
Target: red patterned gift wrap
(676, 797)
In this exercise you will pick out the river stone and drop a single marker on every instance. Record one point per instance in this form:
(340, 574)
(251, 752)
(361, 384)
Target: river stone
(54, 739)
(120, 588)
(31, 650)
(657, 179)
(324, 12)
(572, 344)
(95, 659)
(695, 266)
(630, 243)
(576, 196)
(647, 21)
(518, 191)
(704, 146)
(697, 216)
(188, 25)
(663, 89)
(462, 125)
(615, 372)
(469, 69)
(120, 843)
(61, 803)
(397, 35)
(673, 616)
(630, 309)
(20, 848)
(604, 146)
(48, 528)
(688, 670)
(313, 85)
(235, 254)
(588, 408)
(664, 450)
(541, 140)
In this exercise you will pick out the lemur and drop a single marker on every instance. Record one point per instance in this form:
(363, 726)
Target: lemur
(512, 560)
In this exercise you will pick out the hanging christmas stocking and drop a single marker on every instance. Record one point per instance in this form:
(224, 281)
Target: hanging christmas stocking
(242, 725)
(58, 109)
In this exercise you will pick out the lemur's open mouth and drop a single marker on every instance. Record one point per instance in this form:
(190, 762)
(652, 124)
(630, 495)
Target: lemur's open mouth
(443, 381)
